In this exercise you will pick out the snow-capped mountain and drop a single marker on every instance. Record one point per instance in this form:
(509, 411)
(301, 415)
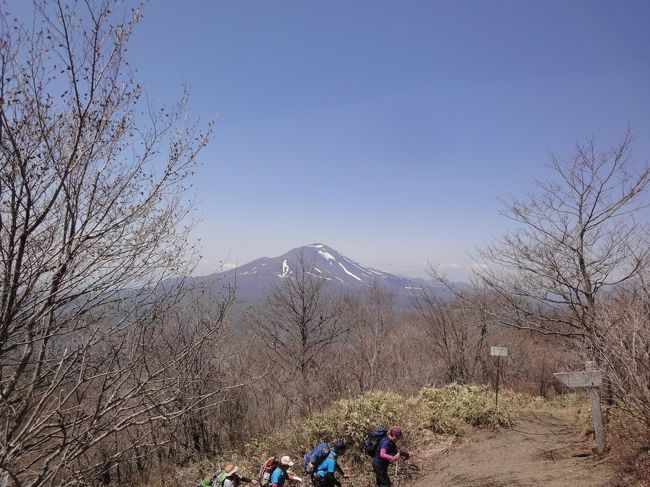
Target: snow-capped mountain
(254, 280)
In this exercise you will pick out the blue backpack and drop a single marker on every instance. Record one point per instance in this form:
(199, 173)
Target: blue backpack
(315, 457)
(372, 440)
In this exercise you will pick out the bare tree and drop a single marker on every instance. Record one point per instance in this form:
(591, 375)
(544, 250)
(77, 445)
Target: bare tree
(298, 321)
(93, 215)
(532, 359)
(623, 347)
(578, 235)
(370, 317)
(458, 334)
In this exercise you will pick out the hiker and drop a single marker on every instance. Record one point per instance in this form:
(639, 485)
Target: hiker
(324, 474)
(232, 477)
(208, 481)
(267, 468)
(281, 474)
(386, 453)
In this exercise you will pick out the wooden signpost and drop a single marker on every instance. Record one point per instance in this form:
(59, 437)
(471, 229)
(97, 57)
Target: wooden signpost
(591, 379)
(498, 352)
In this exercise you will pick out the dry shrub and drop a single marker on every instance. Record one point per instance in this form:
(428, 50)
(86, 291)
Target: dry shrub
(629, 442)
(450, 406)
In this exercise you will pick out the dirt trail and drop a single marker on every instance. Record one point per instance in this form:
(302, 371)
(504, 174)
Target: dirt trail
(542, 449)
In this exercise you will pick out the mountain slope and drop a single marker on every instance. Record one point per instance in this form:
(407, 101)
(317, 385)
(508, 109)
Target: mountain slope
(255, 279)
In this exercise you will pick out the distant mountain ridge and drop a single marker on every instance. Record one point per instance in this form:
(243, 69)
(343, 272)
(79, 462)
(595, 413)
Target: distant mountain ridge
(255, 279)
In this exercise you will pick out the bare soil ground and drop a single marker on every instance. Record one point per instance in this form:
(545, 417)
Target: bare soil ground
(542, 449)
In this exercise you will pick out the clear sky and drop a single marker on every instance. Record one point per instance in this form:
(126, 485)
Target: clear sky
(388, 129)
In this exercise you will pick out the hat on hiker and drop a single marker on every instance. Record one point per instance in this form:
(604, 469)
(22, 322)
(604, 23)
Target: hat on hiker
(340, 445)
(230, 469)
(395, 432)
(286, 460)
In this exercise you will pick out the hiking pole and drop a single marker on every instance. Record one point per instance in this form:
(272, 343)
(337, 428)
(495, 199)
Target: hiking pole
(398, 476)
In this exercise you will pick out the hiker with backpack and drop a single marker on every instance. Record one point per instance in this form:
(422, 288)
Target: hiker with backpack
(382, 445)
(208, 481)
(281, 473)
(230, 477)
(313, 458)
(324, 473)
(267, 468)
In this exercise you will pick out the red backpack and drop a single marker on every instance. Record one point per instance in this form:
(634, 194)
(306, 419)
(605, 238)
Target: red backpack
(266, 470)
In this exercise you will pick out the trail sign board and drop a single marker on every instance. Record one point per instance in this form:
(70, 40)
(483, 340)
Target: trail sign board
(591, 379)
(499, 351)
(585, 378)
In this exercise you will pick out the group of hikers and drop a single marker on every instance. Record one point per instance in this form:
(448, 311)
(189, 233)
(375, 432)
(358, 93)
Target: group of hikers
(321, 464)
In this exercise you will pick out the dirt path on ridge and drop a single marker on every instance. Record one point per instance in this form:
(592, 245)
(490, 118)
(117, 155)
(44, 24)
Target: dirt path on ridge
(542, 449)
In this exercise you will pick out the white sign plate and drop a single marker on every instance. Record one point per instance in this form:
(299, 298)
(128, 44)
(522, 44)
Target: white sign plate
(499, 351)
(587, 378)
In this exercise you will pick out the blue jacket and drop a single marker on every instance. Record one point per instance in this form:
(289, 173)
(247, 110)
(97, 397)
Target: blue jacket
(279, 476)
(327, 465)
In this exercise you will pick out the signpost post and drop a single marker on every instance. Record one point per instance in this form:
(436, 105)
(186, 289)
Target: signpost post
(498, 352)
(591, 379)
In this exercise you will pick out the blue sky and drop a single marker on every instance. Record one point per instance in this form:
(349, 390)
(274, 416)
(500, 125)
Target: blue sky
(388, 129)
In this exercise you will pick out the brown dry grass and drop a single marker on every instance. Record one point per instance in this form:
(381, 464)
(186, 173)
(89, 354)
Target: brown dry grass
(629, 446)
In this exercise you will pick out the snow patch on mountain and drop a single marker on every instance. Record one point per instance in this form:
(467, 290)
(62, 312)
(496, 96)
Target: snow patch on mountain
(327, 255)
(349, 273)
